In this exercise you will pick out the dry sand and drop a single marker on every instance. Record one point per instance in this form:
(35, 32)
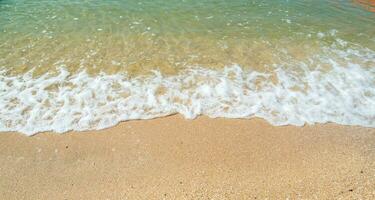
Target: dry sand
(174, 158)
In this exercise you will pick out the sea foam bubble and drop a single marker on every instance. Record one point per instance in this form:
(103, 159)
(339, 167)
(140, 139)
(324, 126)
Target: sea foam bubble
(343, 93)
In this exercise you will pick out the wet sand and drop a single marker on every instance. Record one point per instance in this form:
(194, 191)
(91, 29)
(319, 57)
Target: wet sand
(174, 158)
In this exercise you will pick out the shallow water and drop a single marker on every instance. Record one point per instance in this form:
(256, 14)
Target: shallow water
(290, 62)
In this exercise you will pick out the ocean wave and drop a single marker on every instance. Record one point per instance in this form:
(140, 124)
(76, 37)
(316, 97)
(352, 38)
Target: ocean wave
(66, 102)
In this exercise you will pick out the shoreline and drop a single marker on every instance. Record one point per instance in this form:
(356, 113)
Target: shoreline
(174, 158)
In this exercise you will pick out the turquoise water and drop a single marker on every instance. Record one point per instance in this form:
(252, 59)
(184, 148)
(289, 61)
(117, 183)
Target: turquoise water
(144, 35)
(288, 62)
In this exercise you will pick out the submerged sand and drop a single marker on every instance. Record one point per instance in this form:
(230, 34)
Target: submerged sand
(174, 158)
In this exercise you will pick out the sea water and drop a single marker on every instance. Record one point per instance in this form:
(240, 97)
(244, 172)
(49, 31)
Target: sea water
(86, 65)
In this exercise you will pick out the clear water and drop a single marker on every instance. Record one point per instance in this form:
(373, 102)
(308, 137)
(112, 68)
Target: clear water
(79, 65)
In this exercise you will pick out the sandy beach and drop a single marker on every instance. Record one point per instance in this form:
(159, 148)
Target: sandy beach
(174, 158)
(69, 68)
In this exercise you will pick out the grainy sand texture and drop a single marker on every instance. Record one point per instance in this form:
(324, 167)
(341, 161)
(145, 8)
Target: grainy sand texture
(174, 158)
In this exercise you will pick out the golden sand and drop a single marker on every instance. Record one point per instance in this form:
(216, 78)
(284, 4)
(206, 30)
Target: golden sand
(174, 158)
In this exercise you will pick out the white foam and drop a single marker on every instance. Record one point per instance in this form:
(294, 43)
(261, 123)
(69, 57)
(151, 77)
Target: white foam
(343, 94)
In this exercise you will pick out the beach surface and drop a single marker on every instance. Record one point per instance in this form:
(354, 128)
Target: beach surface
(175, 158)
